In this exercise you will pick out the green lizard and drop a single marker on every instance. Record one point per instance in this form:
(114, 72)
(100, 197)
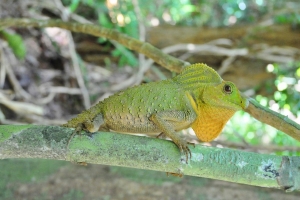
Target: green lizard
(197, 98)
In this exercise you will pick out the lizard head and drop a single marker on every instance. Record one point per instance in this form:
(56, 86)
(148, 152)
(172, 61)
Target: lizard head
(225, 95)
(217, 105)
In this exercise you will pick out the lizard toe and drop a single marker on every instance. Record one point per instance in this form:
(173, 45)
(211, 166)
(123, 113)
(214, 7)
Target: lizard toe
(186, 151)
(188, 154)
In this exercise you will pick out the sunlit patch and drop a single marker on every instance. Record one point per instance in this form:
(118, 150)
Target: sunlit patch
(242, 5)
(197, 157)
(259, 2)
(242, 164)
(154, 22)
(191, 47)
(297, 87)
(232, 20)
(121, 19)
(60, 36)
(111, 3)
(166, 16)
(270, 68)
(282, 86)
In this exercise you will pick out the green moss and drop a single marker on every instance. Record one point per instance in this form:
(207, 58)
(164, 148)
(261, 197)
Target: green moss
(8, 130)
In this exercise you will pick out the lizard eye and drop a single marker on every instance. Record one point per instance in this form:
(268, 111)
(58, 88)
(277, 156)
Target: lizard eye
(227, 89)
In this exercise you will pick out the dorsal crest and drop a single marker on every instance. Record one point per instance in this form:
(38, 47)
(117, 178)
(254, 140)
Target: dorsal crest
(197, 75)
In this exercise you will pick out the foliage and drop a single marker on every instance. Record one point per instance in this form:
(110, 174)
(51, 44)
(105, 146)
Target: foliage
(186, 12)
(242, 128)
(286, 99)
(16, 43)
(120, 17)
(287, 82)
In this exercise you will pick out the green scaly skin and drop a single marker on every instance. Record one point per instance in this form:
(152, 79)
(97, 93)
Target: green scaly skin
(164, 107)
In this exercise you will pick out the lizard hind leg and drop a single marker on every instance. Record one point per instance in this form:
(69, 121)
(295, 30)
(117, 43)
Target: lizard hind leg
(163, 121)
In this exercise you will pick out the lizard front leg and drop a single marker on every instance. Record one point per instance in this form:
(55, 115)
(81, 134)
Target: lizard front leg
(84, 122)
(94, 124)
(91, 125)
(166, 122)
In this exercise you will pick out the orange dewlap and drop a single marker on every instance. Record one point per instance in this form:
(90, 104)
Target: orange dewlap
(210, 122)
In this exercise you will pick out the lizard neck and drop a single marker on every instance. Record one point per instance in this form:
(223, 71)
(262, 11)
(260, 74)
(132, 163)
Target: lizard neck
(210, 121)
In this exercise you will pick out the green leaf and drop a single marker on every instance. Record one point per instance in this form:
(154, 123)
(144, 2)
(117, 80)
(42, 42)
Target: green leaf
(125, 56)
(15, 42)
(104, 21)
(74, 5)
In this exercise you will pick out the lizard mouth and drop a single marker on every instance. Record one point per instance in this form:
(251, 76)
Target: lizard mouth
(241, 105)
(244, 101)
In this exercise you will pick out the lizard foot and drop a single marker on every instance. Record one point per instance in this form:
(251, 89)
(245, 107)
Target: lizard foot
(186, 150)
(182, 145)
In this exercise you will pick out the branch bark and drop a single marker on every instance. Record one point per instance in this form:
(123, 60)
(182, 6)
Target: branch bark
(50, 142)
(261, 113)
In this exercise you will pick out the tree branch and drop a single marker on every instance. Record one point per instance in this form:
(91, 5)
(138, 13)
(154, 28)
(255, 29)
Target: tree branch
(30, 141)
(274, 119)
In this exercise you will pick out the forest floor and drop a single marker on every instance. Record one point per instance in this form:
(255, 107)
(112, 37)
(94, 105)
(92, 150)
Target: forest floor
(59, 180)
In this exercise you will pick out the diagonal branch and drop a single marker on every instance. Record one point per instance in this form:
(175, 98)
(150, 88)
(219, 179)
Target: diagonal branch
(274, 119)
(50, 142)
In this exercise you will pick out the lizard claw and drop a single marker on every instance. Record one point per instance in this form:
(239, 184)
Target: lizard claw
(186, 150)
(188, 154)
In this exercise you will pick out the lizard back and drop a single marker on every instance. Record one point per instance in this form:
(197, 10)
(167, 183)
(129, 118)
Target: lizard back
(129, 110)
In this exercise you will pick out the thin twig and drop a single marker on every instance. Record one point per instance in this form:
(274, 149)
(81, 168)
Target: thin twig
(2, 70)
(216, 50)
(226, 64)
(13, 80)
(65, 13)
(21, 107)
(142, 37)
